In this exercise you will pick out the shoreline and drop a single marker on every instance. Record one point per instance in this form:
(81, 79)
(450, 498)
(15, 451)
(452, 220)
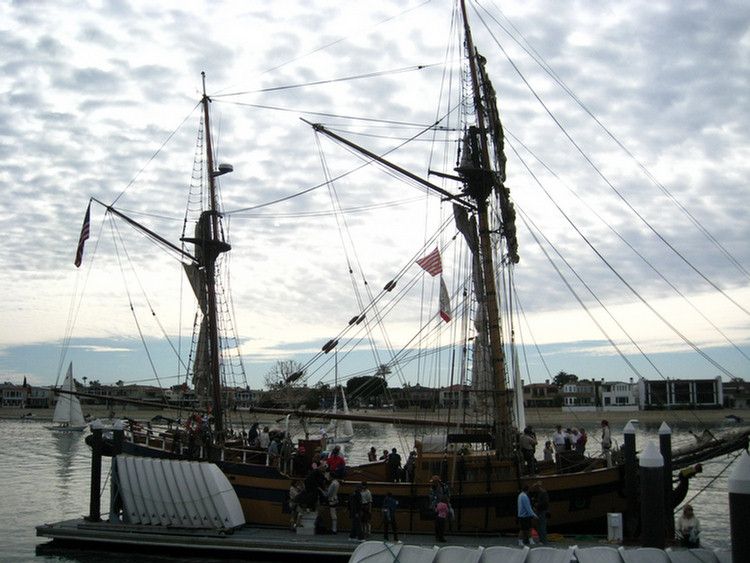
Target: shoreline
(546, 417)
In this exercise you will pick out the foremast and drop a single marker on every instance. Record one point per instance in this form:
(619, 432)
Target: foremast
(209, 245)
(480, 182)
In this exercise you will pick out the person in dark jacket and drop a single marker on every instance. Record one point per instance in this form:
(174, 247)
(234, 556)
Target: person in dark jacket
(541, 506)
(355, 513)
(389, 516)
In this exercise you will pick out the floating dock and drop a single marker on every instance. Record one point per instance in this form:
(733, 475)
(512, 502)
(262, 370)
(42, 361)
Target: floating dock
(278, 543)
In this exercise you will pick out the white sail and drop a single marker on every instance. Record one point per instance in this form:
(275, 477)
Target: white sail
(348, 428)
(68, 413)
(337, 434)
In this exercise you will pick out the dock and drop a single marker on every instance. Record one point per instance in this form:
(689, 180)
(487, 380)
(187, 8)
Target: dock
(249, 539)
(280, 544)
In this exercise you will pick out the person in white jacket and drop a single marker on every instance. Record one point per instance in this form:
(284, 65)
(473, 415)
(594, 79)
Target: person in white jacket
(332, 494)
(688, 528)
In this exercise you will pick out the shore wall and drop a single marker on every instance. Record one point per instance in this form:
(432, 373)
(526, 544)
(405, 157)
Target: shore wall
(547, 417)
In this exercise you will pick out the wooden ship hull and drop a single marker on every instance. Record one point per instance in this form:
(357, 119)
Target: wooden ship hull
(484, 491)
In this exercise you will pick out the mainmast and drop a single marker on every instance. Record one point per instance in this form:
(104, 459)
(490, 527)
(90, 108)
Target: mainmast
(479, 183)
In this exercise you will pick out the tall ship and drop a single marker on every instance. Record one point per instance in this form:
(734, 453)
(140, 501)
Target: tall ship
(472, 447)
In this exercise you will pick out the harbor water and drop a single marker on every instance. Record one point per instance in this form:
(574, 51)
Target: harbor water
(46, 478)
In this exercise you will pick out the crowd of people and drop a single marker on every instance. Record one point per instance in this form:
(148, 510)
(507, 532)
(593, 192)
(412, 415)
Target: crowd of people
(319, 493)
(279, 449)
(570, 439)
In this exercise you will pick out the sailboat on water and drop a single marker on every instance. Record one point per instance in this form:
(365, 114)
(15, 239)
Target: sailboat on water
(475, 451)
(68, 414)
(340, 431)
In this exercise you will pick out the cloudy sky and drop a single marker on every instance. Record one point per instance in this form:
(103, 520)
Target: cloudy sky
(628, 130)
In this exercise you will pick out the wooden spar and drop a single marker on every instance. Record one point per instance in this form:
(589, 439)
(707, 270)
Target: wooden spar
(446, 194)
(122, 400)
(367, 418)
(146, 230)
(479, 186)
(211, 249)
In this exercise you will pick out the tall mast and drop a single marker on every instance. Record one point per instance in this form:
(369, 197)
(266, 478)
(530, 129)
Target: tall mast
(212, 247)
(480, 181)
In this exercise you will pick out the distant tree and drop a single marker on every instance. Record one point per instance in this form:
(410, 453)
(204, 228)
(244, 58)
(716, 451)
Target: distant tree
(366, 389)
(287, 377)
(563, 377)
(315, 397)
(383, 371)
(284, 374)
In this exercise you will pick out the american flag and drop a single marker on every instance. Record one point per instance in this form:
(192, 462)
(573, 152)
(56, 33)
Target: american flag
(83, 237)
(431, 263)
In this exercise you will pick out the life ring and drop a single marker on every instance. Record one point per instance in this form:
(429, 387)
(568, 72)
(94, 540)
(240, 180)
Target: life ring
(194, 423)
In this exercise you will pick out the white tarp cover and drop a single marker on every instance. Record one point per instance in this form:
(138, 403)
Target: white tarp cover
(162, 492)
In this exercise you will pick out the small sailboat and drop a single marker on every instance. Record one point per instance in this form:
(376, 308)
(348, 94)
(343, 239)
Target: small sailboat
(68, 414)
(342, 431)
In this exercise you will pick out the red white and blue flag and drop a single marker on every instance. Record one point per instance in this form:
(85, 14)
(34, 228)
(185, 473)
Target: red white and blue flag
(432, 263)
(434, 266)
(83, 236)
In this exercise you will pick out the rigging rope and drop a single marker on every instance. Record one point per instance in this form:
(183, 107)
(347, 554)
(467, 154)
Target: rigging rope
(632, 290)
(609, 183)
(536, 57)
(617, 234)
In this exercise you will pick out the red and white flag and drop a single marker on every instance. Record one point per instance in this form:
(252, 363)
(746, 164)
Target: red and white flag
(445, 302)
(83, 237)
(431, 263)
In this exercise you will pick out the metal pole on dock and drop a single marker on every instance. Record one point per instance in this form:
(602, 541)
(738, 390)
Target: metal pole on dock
(739, 509)
(665, 447)
(631, 483)
(115, 502)
(117, 436)
(96, 472)
(652, 497)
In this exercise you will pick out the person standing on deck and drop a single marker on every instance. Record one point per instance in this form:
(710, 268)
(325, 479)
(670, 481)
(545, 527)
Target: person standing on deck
(332, 494)
(573, 438)
(366, 509)
(273, 451)
(441, 518)
(372, 455)
(355, 514)
(438, 490)
(526, 516)
(581, 443)
(389, 516)
(335, 460)
(393, 472)
(527, 443)
(606, 442)
(558, 440)
(264, 439)
(252, 437)
(296, 514)
(541, 504)
(549, 451)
